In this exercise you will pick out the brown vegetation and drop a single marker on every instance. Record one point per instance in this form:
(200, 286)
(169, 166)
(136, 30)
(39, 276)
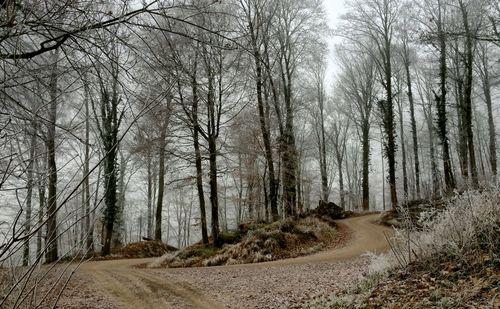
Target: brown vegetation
(260, 242)
(136, 250)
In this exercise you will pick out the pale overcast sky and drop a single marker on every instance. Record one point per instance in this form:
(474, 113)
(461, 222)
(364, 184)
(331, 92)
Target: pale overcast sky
(334, 8)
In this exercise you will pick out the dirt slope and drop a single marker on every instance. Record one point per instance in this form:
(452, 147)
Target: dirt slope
(137, 288)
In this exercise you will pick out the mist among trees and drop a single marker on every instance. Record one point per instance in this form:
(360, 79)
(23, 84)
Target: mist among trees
(176, 120)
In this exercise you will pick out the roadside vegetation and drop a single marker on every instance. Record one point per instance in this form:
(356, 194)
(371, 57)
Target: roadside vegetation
(449, 258)
(260, 242)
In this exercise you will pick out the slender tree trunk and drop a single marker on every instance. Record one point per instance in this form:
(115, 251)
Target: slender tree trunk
(413, 128)
(462, 133)
(366, 165)
(109, 197)
(389, 126)
(150, 196)
(469, 63)
(322, 142)
(198, 159)
(441, 108)
(383, 172)
(29, 193)
(491, 119)
(299, 205)
(89, 227)
(108, 124)
(214, 199)
(341, 183)
(290, 152)
(120, 232)
(403, 151)
(211, 136)
(51, 240)
(161, 183)
(41, 207)
(264, 127)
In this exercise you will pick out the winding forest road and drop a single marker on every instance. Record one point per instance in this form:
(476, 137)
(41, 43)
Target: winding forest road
(270, 284)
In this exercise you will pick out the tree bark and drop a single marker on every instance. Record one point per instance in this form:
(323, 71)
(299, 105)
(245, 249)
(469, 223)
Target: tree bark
(29, 193)
(150, 195)
(366, 165)
(441, 106)
(389, 127)
(214, 199)
(413, 124)
(264, 127)
(161, 182)
(290, 152)
(403, 151)
(489, 107)
(198, 158)
(51, 240)
(469, 63)
(89, 226)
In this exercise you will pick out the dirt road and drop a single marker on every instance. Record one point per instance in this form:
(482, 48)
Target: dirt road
(271, 284)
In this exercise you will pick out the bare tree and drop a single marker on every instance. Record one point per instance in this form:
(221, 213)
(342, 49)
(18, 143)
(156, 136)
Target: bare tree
(373, 22)
(357, 86)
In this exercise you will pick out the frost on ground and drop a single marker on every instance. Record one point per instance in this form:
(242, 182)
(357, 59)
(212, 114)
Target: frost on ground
(451, 260)
(287, 286)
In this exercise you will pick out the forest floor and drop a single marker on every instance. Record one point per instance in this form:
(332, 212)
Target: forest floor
(275, 284)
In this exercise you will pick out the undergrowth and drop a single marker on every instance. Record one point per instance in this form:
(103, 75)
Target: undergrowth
(469, 223)
(448, 258)
(258, 242)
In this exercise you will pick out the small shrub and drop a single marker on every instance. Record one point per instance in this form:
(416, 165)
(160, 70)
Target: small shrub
(230, 237)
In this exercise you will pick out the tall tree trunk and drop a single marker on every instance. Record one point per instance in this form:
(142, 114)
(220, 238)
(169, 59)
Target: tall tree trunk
(211, 136)
(403, 151)
(119, 232)
(108, 123)
(462, 133)
(41, 206)
(197, 152)
(491, 119)
(89, 227)
(161, 182)
(341, 183)
(300, 204)
(109, 197)
(29, 193)
(432, 151)
(383, 172)
(290, 152)
(322, 149)
(441, 107)
(51, 240)
(366, 165)
(413, 124)
(469, 63)
(150, 195)
(389, 126)
(214, 199)
(264, 127)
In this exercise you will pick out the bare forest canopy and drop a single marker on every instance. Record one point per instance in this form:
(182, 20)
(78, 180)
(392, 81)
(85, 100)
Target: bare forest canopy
(176, 120)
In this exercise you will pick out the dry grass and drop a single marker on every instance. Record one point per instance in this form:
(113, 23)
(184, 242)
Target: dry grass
(259, 242)
(445, 257)
(137, 250)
